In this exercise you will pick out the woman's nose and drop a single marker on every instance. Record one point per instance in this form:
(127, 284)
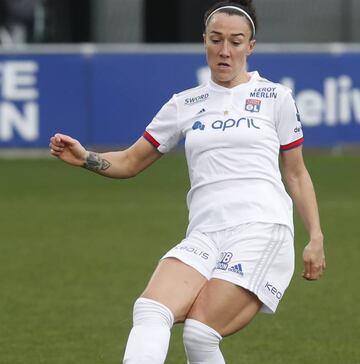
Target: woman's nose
(224, 51)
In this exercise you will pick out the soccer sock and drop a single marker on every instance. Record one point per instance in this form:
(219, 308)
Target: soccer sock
(202, 343)
(148, 341)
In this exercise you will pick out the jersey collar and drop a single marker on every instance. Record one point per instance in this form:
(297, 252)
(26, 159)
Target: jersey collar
(254, 76)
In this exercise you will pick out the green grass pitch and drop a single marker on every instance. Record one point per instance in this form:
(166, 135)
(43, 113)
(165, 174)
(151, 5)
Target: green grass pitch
(76, 249)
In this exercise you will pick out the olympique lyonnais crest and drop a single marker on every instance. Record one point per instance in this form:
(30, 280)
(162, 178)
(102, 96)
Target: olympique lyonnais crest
(252, 105)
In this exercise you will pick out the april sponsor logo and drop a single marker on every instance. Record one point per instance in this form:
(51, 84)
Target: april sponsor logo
(192, 250)
(19, 108)
(224, 261)
(273, 290)
(232, 123)
(196, 99)
(226, 124)
(336, 103)
(264, 93)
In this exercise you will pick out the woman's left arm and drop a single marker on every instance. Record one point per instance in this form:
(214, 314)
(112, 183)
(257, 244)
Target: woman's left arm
(301, 189)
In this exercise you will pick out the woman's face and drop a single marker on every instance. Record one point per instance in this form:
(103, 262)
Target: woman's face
(227, 43)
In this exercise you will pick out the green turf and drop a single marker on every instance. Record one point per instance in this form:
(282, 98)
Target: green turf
(76, 250)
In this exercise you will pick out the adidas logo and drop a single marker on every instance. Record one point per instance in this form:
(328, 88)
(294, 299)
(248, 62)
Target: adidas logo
(236, 269)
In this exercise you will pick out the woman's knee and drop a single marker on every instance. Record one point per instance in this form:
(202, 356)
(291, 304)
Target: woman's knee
(225, 307)
(175, 285)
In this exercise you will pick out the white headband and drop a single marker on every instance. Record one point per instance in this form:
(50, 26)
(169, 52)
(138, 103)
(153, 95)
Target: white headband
(234, 8)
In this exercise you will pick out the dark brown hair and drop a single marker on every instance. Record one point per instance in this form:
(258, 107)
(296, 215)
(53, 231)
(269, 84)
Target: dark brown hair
(245, 5)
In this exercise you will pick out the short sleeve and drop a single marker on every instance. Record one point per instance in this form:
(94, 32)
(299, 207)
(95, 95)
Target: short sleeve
(288, 125)
(163, 131)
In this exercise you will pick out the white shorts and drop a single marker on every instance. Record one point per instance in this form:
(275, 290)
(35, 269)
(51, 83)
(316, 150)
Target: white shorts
(255, 256)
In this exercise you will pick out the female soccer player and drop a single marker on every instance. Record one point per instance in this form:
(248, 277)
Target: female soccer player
(237, 257)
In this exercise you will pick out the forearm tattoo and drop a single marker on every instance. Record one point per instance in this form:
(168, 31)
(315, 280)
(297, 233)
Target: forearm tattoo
(95, 163)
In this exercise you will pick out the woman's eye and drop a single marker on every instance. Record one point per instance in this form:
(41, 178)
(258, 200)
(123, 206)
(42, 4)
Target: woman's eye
(215, 40)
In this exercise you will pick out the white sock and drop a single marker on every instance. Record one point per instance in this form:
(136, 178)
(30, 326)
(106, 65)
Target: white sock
(148, 341)
(202, 343)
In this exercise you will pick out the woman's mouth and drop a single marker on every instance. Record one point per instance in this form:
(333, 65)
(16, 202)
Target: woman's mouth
(223, 65)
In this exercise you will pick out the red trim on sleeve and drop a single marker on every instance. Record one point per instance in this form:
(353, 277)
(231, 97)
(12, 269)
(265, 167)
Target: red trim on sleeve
(150, 139)
(291, 145)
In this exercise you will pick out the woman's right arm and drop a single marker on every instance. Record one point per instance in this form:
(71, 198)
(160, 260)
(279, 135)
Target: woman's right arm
(120, 164)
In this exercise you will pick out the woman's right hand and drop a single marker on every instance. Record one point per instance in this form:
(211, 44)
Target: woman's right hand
(68, 149)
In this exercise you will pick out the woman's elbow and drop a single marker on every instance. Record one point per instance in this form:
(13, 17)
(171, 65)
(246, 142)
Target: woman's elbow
(132, 170)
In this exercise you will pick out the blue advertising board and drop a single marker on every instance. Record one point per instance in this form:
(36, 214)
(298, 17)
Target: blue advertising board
(108, 98)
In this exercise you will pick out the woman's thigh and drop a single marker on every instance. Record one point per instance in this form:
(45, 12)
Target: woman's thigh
(175, 285)
(224, 306)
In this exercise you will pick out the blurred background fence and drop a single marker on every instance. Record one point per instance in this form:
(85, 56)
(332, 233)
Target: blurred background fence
(137, 21)
(101, 69)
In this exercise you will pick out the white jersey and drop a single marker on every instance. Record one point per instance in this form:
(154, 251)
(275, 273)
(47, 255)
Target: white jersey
(232, 141)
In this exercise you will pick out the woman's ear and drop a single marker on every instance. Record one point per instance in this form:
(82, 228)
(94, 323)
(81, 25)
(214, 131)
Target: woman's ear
(251, 47)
